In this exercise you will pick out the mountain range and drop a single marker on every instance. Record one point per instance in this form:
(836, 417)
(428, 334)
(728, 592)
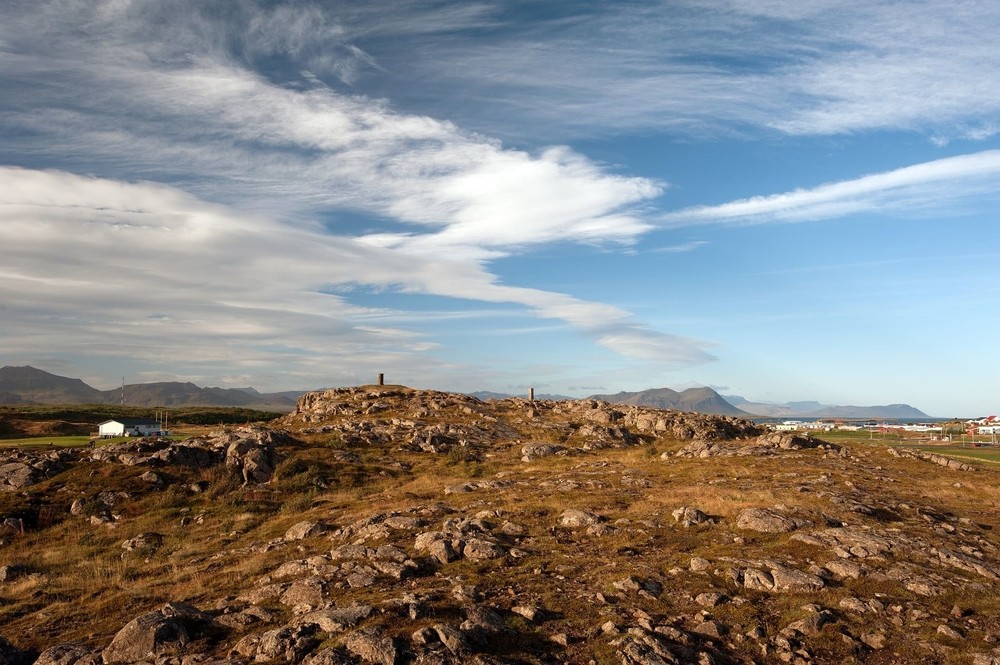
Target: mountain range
(28, 385)
(699, 400)
(810, 409)
(706, 400)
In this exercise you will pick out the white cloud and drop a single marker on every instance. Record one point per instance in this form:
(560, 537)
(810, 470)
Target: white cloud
(143, 270)
(936, 185)
(205, 121)
(233, 260)
(682, 248)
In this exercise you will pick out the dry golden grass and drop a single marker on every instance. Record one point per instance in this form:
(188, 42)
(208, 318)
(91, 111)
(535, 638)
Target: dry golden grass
(83, 588)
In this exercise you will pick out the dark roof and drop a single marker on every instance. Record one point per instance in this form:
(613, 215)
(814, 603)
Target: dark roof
(131, 422)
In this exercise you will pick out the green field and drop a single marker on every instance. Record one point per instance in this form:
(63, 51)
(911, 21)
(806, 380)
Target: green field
(859, 436)
(65, 441)
(985, 454)
(45, 441)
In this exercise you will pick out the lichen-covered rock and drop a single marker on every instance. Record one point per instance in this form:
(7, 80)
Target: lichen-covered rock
(533, 451)
(166, 631)
(573, 518)
(688, 516)
(20, 469)
(305, 529)
(336, 620)
(69, 654)
(372, 646)
(145, 542)
(288, 644)
(478, 549)
(767, 521)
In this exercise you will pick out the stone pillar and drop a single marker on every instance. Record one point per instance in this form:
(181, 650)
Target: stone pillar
(531, 394)
(381, 379)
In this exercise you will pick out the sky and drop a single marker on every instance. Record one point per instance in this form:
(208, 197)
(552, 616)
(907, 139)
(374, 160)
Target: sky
(780, 199)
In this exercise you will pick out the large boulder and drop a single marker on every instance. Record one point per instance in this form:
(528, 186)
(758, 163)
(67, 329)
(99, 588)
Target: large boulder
(163, 632)
(17, 475)
(252, 451)
(285, 645)
(372, 646)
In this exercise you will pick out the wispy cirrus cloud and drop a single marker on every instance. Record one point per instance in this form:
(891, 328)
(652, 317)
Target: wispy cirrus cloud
(814, 67)
(198, 116)
(936, 185)
(682, 248)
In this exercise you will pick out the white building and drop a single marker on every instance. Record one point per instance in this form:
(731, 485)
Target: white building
(129, 427)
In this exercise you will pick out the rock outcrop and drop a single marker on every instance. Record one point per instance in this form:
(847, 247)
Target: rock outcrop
(387, 525)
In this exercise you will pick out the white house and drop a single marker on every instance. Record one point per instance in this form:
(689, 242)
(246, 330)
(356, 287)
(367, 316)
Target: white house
(129, 427)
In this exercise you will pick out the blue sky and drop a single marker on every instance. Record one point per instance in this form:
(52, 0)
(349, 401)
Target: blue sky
(784, 200)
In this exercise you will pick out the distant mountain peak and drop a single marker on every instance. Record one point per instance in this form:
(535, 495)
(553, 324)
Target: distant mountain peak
(697, 400)
(813, 409)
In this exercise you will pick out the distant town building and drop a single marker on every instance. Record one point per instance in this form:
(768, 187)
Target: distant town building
(129, 427)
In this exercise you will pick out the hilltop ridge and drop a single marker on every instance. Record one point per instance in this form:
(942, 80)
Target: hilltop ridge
(385, 524)
(27, 385)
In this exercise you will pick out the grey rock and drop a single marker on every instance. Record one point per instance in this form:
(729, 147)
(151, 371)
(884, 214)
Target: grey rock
(328, 656)
(288, 644)
(688, 516)
(758, 580)
(699, 564)
(145, 542)
(305, 529)
(166, 631)
(481, 623)
(443, 551)
(69, 654)
(874, 640)
(709, 599)
(533, 451)
(577, 518)
(337, 620)
(453, 639)
(710, 628)
(479, 549)
(767, 521)
(307, 594)
(372, 646)
(844, 569)
(530, 612)
(944, 630)
(18, 475)
(792, 580)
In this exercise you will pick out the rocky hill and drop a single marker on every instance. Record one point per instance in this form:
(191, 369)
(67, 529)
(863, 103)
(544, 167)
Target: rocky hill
(389, 525)
(699, 400)
(27, 385)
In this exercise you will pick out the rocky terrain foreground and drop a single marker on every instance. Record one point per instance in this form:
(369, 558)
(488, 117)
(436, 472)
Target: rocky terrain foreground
(389, 525)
